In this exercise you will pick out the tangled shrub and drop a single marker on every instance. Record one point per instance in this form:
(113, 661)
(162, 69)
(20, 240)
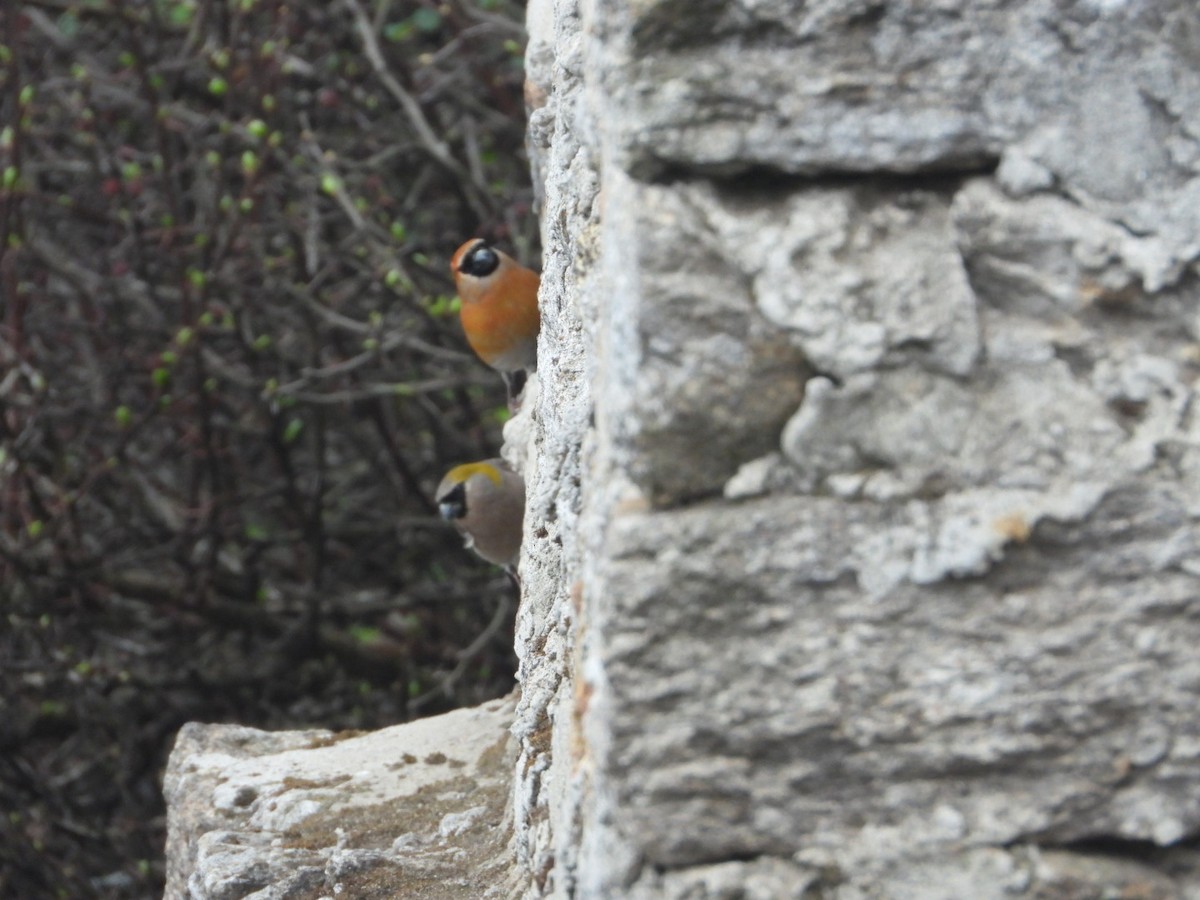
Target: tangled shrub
(230, 376)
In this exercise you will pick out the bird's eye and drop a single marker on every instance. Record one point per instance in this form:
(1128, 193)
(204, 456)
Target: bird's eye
(481, 261)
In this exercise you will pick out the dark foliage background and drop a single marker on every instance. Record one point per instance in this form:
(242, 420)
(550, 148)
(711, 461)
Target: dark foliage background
(230, 378)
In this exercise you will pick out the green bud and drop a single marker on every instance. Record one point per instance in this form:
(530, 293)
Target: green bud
(331, 184)
(292, 431)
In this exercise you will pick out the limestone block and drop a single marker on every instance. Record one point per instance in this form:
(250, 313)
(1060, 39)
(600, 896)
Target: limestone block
(412, 810)
(861, 278)
(1096, 95)
(790, 707)
(985, 874)
(715, 380)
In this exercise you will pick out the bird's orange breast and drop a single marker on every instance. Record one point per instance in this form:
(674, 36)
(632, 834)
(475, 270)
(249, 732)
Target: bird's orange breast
(501, 323)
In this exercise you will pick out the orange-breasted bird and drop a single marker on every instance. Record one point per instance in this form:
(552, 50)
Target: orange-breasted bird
(499, 309)
(486, 502)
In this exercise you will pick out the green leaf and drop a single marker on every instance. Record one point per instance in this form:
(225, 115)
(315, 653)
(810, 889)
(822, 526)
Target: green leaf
(399, 31)
(181, 13)
(427, 20)
(365, 634)
(68, 24)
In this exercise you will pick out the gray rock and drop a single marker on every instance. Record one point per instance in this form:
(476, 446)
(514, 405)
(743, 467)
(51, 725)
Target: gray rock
(416, 810)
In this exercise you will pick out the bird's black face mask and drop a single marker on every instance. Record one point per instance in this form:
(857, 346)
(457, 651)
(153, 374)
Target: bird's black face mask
(453, 504)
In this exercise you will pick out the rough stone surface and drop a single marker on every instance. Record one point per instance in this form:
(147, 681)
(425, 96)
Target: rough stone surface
(863, 466)
(416, 810)
(864, 506)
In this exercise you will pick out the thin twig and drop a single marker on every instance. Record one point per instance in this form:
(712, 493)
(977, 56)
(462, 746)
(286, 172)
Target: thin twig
(434, 145)
(446, 683)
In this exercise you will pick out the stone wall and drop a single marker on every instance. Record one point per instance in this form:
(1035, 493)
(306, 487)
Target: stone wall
(861, 553)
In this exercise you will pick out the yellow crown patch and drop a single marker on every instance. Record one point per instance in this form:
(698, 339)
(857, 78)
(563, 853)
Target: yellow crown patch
(459, 474)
